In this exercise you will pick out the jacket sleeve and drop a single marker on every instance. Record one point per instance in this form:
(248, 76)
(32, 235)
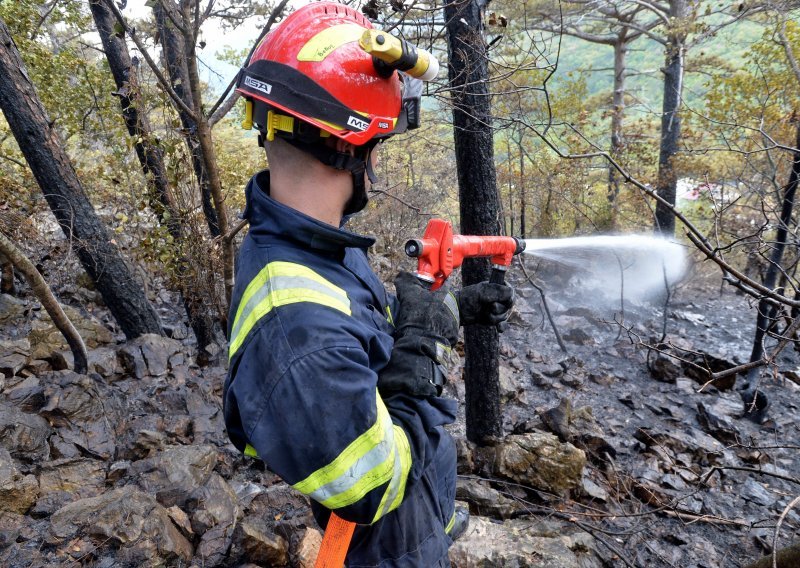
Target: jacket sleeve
(325, 430)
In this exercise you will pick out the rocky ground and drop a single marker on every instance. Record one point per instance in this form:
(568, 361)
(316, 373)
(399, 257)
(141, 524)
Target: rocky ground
(611, 458)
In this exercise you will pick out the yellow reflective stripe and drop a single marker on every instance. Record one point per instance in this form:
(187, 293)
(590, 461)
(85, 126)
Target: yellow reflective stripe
(397, 486)
(389, 316)
(352, 457)
(325, 42)
(278, 284)
(452, 522)
(250, 451)
(372, 459)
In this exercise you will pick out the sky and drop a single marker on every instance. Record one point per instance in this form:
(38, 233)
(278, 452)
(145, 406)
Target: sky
(217, 73)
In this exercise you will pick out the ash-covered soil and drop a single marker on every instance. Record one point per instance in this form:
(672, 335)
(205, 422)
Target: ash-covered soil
(613, 455)
(677, 474)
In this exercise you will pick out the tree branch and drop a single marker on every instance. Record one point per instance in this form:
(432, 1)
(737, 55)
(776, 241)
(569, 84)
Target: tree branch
(152, 64)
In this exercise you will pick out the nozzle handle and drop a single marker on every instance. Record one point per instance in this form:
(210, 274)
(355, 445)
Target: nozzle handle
(498, 275)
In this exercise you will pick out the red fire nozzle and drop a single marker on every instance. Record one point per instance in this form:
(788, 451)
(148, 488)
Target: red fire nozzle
(440, 251)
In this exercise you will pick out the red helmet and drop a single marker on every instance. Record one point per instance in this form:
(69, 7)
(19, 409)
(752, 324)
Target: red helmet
(311, 67)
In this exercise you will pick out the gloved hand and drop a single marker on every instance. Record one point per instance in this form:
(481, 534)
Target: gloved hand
(434, 314)
(485, 303)
(426, 327)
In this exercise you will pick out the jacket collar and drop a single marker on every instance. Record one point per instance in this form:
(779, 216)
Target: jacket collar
(269, 218)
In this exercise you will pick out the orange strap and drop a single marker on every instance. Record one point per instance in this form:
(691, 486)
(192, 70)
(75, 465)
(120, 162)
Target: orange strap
(335, 543)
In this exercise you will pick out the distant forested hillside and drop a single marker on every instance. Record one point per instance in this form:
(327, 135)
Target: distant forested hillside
(594, 63)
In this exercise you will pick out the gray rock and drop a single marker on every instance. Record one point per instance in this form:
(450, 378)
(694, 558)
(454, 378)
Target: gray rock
(726, 404)
(716, 424)
(17, 492)
(148, 355)
(11, 309)
(260, 545)
(308, 548)
(49, 503)
(11, 525)
(715, 363)
(124, 517)
(665, 369)
(171, 475)
(510, 388)
(86, 413)
(553, 370)
(579, 427)
(212, 504)
(82, 477)
(27, 395)
(579, 337)
(755, 492)
(24, 435)
(246, 491)
(702, 446)
(485, 500)
(12, 364)
(593, 490)
(101, 360)
(521, 544)
(540, 460)
(45, 338)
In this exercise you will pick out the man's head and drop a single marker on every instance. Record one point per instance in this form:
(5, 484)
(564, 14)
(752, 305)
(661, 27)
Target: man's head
(311, 84)
(303, 182)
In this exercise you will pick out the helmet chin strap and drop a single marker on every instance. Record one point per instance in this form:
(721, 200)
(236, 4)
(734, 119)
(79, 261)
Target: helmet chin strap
(358, 165)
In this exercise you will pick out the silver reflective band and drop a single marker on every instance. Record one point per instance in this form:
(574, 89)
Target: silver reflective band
(372, 459)
(452, 304)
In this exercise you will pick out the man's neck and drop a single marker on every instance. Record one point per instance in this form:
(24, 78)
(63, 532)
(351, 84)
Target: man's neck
(319, 192)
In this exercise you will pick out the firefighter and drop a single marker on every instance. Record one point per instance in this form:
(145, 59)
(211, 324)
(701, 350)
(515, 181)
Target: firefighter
(333, 383)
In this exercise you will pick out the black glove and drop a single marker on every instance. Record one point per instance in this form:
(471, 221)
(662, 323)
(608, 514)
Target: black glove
(422, 312)
(485, 303)
(426, 327)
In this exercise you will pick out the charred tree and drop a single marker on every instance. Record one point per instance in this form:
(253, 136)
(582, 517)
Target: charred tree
(151, 159)
(667, 182)
(479, 202)
(151, 156)
(40, 144)
(766, 309)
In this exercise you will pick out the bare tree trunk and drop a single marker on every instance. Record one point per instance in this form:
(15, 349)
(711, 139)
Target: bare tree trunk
(149, 153)
(6, 276)
(479, 203)
(175, 60)
(521, 188)
(190, 27)
(617, 116)
(181, 57)
(766, 311)
(667, 182)
(42, 291)
(151, 158)
(39, 143)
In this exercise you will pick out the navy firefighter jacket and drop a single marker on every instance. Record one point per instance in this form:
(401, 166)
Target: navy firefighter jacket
(310, 329)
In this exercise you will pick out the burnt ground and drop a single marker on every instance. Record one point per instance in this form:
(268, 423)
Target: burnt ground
(657, 493)
(130, 465)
